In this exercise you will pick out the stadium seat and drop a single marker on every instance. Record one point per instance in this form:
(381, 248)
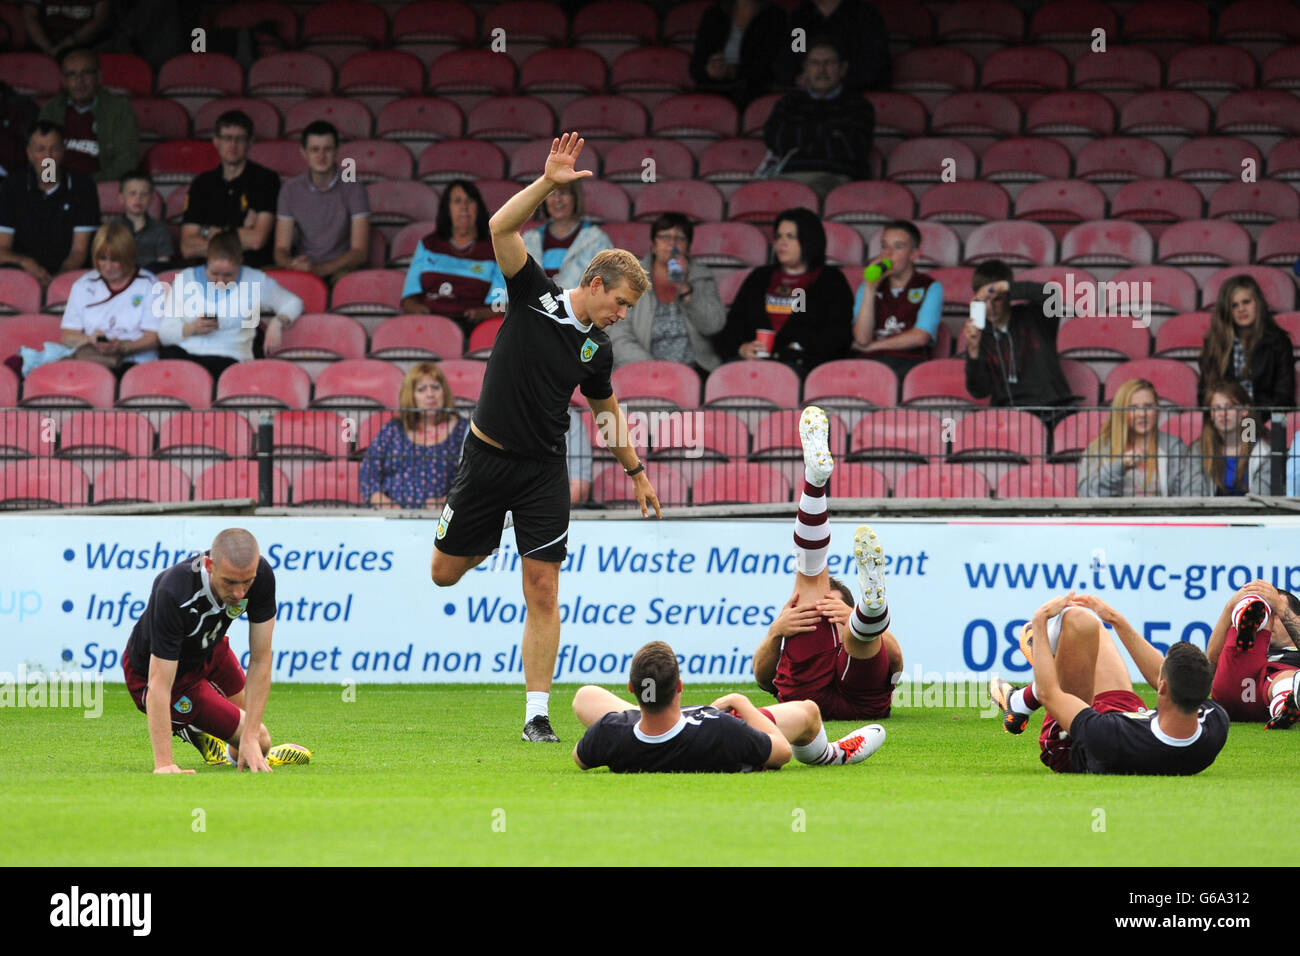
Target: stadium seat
(611, 487)
(23, 434)
(291, 74)
(354, 383)
(264, 383)
(1120, 159)
(322, 336)
(434, 22)
(1172, 289)
(1204, 242)
(31, 74)
(419, 118)
(510, 118)
(1109, 337)
(329, 484)
(938, 382)
(465, 377)
(166, 383)
(56, 293)
(483, 337)
(209, 74)
(994, 21)
(776, 435)
(1175, 383)
(399, 202)
(932, 72)
(1167, 21)
(851, 384)
(1254, 112)
(1073, 433)
(999, 434)
(179, 161)
(965, 202)
(1277, 245)
(940, 246)
(252, 13)
(141, 480)
(350, 117)
(1156, 203)
(461, 159)
(651, 69)
(1278, 288)
(732, 160)
(1281, 69)
(1213, 159)
(631, 160)
(1252, 20)
(266, 118)
(1038, 480)
(874, 202)
(910, 434)
(611, 27)
(1109, 242)
(390, 72)
(43, 482)
(700, 201)
(1061, 203)
(32, 331)
(8, 388)
(283, 156)
(1284, 160)
(1084, 383)
(1164, 113)
(752, 383)
(560, 70)
(707, 433)
(70, 382)
(1262, 202)
(754, 119)
(126, 74)
(318, 433)
(655, 383)
(635, 238)
(417, 337)
(239, 479)
(472, 71)
(682, 22)
(1290, 324)
(941, 481)
(972, 114)
(106, 434)
(367, 292)
(618, 118)
(1210, 70)
(205, 434)
(728, 244)
(739, 483)
(1015, 243)
(19, 292)
(928, 160)
(527, 21)
(160, 119)
(1186, 426)
(855, 479)
(956, 282)
(695, 116)
(1123, 73)
(1025, 69)
(1020, 160)
(344, 22)
(1070, 113)
(898, 115)
(844, 246)
(377, 159)
(764, 201)
(404, 243)
(1182, 336)
(729, 284)
(306, 286)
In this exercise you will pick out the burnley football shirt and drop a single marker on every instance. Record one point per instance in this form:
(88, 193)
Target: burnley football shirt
(1134, 743)
(705, 740)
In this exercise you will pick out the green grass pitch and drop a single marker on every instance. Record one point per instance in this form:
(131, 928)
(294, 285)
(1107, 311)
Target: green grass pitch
(437, 775)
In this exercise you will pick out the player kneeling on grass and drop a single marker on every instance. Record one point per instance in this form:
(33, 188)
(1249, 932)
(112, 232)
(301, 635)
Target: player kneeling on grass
(180, 669)
(1094, 722)
(1255, 661)
(823, 646)
(730, 735)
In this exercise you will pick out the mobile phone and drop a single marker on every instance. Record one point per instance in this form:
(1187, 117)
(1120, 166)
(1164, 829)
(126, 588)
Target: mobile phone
(979, 313)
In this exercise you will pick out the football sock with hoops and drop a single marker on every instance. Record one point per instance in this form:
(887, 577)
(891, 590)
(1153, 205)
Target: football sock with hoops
(867, 625)
(537, 704)
(812, 530)
(1024, 701)
(820, 751)
(1277, 703)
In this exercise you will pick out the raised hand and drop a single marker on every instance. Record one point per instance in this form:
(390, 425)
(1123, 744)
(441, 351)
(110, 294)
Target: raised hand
(564, 156)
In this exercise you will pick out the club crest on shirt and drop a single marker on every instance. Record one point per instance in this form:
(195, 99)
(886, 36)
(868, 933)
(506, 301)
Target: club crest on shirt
(588, 350)
(443, 522)
(183, 706)
(915, 295)
(136, 300)
(234, 610)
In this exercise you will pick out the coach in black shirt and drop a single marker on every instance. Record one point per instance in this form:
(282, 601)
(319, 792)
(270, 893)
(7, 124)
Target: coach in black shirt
(47, 213)
(551, 342)
(237, 195)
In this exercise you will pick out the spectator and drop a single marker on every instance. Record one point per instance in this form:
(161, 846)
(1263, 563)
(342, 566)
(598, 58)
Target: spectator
(807, 303)
(55, 25)
(821, 135)
(1013, 359)
(110, 317)
(565, 245)
(412, 462)
(578, 458)
(1244, 344)
(153, 240)
(1234, 454)
(214, 309)
(238, 195)
(1293, 471)
(48, 213)
(17, 113)
(857, 24)
(739, 46)
(322, 221)
(454, 271)
(1132, 458)
(101, 137)
(677, 323)
(896, 318)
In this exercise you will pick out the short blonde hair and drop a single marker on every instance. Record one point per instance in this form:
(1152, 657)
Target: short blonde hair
(410, 416)
(614, 266)
(117, 242)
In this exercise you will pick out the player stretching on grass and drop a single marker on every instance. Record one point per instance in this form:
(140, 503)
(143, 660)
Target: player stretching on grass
(181, 672)
(823, 646)
(730, 735)
(552, 340)
(1255, 675)
(1094, 723)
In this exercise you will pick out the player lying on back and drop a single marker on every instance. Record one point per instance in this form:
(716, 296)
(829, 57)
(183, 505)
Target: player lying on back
(1094, 723)
(1255, 665)
(823, 646)
(730, 735)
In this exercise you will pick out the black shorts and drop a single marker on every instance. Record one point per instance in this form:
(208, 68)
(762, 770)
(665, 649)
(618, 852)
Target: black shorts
(489, 482)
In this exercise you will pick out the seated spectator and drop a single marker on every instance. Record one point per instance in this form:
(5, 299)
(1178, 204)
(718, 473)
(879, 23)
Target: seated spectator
(17, 113)
(1234, 453)
(454, 271)
(1293, 471)
(860, 27)
(896, 318)
(578, 459)
(47, 213)
(112, 314)
(238, 195)
(214, 309)
(678, 321)
(1132, 458)
(1244, 344)
(412, 462)
(322, 221)
(1013, 359)
(739, 46)
(807, 303)
(822, 134)
(101, 138)
(57, 26)
(565, 245)
(153, 240)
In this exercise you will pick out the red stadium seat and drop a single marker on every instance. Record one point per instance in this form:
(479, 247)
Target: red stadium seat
(528, 160)
(1109, 242)
(560, 70)
(1182, 336)
(252, 13)
(510, 118)
(999, 434)
(1172, 289)
(42, 482)
(700, 201)
(265, 117)
(777, 436)
(1262, 202)
(927, 161)
(660, 69)
(1213, 159)
(682, 21)
(126, 74)
(729, 284)
(715, 434)
(1076, 112)
(963, 202)
(1281, 69)
(933, 71)
(764, 201)
(1120, 159)
(1036, 69)
(344, 21)
(1248, 20)
(23, 434)
(434, 21)
(8, 394)
(367, 292)
(912, 434)
(938, 382)
(1015, 243)
(482, 337)
(732, 160)
(844, 246)
(1121, 74)
(738, 483)
(1156, 202)
(141, 480)
(613, 117)
(355, 383)
(420, 118)
(1175, 383)
(56, 294)
(1290, 324)
(898, 115)
(399, 202)
(472, 71)
(851, 383)
(1083, 381)
(329, 484)
(527, 20)
(1278, 245)
(311, 434)
(1185, 426)
(1211, 69)
(656, 383)
(1284, 160)
(465, 377)
(264, 383)
(1037, 480)
(404, 243)
(461, 159)
(166, 383)
(756, 114)
(1164, 112)
(322, 336)
(70, 382)
(1072, 434)
(623, 22)
(635, 237)
(418, 337)
(306, 286)
(377, 159)
(988, 20)
(1203, 242)
(868, 202)
(106, 433)
(31, 74)
(698, 115)
(1061, 203)
(858, 480)
(212, 74)
(381, 71)
(350, 117)
(283, 156)
(1103, 337)
(1023, 160)
(1167, 20)
(239, 479)
(295, 73)
(180, 161)
(956, 282)
(731, 244)
(1278, 288)
(19, 292)
(941, 481)
(1271, 112)
(205, 434)
(160, 119)
(32, 331)
(610, 486)
(976, 114)
(627, 161)
(752, 383)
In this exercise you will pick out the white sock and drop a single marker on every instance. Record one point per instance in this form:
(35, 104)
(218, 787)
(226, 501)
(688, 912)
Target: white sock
(538, 704)
(1018, 704)
(229, 759)
(820, 751)
(1279, 699)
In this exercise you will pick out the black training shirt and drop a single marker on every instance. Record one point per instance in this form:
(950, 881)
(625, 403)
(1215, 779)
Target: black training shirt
(541, 354)
(1133, 743)
(43, 223)
(705, 740)
(213, 200)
